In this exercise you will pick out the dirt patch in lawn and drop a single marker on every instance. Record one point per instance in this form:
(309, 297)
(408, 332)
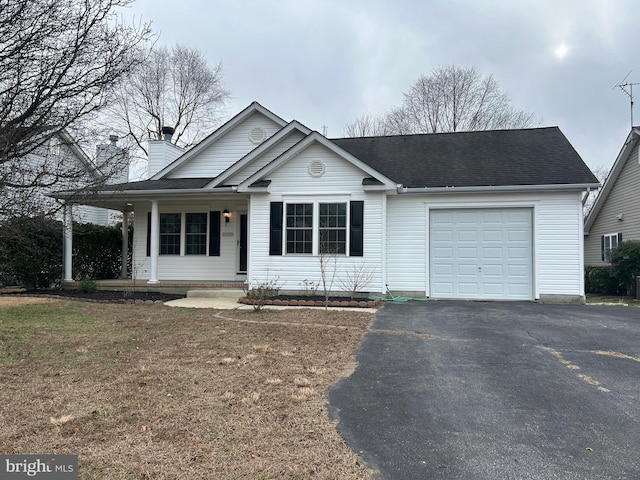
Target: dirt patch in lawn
(151, 392)
(15, 300)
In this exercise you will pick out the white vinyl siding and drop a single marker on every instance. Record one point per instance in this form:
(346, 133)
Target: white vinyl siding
(620, 213)
(266, 157)
(556, 243)
(560, 245)
(190, 267)
(227, 150)
(339, 175)
(292, 183)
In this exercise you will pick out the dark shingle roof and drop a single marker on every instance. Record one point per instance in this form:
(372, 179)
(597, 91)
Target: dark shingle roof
(539, 156)
(161, 184)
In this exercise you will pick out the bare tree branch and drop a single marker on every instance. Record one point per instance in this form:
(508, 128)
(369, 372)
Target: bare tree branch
(174, 87)
(451, 99)
(59, 60)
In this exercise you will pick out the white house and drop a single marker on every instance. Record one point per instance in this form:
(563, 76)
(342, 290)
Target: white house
(62, 164)
(475, 215)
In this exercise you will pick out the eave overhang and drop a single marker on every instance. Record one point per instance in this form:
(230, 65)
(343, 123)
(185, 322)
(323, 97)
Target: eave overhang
(498, 188)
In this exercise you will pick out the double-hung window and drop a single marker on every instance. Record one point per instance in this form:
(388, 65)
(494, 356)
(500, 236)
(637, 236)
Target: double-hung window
(607, 243)
(195, 233)
(332, 228)
(299, 228)
(170, 225)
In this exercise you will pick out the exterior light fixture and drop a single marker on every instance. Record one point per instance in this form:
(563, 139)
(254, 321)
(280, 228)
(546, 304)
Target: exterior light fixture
(227, 215)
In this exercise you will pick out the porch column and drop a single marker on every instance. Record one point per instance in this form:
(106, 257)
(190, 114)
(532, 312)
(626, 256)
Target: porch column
(68, 242)
(154, 247)
(124, 274)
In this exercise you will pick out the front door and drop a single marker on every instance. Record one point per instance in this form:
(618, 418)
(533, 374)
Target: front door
(243, 243)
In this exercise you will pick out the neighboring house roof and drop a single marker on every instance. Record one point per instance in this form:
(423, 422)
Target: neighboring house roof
(539, 156)
(68, 141)
(629, 144)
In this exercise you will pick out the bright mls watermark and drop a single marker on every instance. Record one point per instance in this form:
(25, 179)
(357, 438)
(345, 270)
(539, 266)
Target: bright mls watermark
(50, 467)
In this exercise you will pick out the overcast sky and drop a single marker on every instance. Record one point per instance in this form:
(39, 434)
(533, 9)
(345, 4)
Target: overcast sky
(325, 62)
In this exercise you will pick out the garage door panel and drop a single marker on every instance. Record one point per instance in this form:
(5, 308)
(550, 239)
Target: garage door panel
(518, 235)
(443, 236)
(492, 253)
(443, 269)
(492, 236)
(443, 253)
(467, 236)
(467, 252)
(493, 289)
(519, 253)
(489, 251)
(468, 288)
(443, 289)
(467, 270)
(493, 271)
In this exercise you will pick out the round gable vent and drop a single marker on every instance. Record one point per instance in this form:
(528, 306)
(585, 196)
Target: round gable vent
(257, 135)
(316, 168)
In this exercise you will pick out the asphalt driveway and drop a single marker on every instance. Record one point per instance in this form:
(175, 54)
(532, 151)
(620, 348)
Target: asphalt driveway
(490, 390)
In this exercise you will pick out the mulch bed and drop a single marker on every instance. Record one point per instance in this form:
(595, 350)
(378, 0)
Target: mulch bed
(315, 301)
(120, 296)
(111, 296)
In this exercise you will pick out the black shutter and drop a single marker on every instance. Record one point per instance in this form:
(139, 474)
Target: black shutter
(275, 231)
(148, 234)
(214, 234)
(602, 247)
(356, 232)
(619, 238)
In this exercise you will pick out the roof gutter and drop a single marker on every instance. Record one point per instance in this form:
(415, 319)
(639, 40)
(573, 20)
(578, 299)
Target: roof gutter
(499, 188)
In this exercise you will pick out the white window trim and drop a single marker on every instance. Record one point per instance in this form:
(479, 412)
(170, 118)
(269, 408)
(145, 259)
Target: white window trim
(315, 247)
(607, 251)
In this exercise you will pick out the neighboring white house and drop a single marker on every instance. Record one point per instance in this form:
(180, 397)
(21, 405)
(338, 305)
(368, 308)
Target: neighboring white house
(62, 165)
(475, 215)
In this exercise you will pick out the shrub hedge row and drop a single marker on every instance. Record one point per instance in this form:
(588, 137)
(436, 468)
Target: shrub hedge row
(31, 250)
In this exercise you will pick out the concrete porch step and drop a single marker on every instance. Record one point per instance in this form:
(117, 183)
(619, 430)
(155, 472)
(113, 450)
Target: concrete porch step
(234, 293)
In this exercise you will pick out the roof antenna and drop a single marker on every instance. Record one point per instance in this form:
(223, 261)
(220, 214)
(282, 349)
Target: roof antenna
(627, 87)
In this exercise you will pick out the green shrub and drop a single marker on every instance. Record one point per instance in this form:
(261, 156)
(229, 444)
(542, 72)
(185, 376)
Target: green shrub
(97, 251)
(599, 279)
(31, 252)
(87, 286)
(625, 264)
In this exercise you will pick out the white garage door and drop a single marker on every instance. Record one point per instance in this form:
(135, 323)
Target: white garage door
(481, 254)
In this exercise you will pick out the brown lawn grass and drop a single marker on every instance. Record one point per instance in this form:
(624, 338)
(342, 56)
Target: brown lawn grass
(153, 392)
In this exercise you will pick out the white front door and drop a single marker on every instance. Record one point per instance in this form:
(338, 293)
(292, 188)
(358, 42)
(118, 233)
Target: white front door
(481, 254)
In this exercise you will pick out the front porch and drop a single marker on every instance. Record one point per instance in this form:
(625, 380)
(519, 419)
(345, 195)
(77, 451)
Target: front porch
(180, 287)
